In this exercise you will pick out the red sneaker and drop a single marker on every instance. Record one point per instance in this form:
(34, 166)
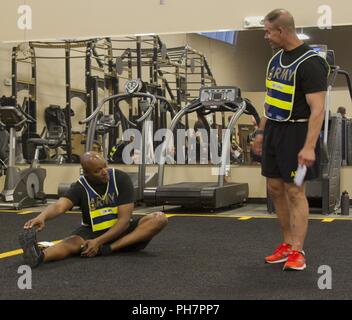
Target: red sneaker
(280, 254)
(296, 261)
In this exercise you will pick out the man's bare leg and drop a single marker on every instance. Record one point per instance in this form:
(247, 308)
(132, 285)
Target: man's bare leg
(67, 247)
(276, 190)
(147, 228)
(299, 211)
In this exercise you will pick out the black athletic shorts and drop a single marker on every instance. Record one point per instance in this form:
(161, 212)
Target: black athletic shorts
(86, 233)
(282, 143)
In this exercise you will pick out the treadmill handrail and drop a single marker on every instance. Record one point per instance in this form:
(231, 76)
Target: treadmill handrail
(336, 71)
(173, 124)
(344, 73)
(140, 119)
(326, 123)
(348, 80)
(119, 97)
(327, 113)
(93, 118)
(192, 107)
(227, 141)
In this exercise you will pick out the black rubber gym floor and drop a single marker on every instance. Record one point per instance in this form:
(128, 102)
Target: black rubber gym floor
(193, 258)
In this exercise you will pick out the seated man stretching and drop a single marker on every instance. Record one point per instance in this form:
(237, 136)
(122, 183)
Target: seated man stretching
(105, 196)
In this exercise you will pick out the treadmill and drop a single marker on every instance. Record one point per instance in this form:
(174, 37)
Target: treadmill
(205, 195)
(140, 179)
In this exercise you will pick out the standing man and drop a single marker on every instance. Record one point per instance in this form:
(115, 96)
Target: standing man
(105, 196)
(296, 84)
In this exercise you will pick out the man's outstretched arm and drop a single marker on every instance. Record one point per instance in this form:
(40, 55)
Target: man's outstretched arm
(50, 212)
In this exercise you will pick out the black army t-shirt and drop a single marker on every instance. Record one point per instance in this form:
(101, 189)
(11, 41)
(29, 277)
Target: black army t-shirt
(78, 195)
(311, 77)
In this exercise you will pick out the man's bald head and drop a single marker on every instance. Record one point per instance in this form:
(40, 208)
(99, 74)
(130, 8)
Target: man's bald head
(94, 166)
(279, 27)
(281, 18)
(90, 157)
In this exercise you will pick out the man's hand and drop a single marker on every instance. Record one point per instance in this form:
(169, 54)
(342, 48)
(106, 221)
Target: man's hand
(36, 222)
(90, 248)
(257, 145)
(306, 156)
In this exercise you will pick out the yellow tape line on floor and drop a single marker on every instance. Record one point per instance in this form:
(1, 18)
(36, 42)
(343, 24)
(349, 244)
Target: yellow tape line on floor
(10, 253)
(29, 211)
(169, 215)
(17, 252)
(25, 212)
(247, 217)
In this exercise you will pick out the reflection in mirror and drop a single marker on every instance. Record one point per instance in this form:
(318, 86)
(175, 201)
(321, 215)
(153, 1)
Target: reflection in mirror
(77, 74)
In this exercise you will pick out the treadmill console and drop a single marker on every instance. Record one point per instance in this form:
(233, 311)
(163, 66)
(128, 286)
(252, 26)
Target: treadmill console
(323, 51)
(216, 96)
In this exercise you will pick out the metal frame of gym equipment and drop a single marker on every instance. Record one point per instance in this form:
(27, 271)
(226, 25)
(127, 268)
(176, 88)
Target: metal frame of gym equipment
(172, 71)
(89, 95)
(190, 71)
(30, 85)
(22, 188)
(348, 141)
(346, 126)
(145, 54)
(205, 195)
(179, 72)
